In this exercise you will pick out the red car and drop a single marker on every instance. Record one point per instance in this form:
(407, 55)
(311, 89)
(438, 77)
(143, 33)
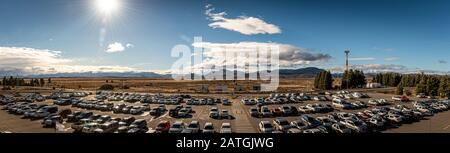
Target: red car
(277, 112)
(163, 127)
(400, 98)
(404, 98)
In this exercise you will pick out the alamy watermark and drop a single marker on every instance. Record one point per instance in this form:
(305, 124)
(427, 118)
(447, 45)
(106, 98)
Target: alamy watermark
(210, 61)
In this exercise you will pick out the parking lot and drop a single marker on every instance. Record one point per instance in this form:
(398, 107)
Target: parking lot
(240, 119)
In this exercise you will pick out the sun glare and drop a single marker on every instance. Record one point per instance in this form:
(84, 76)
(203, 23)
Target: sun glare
(107, 6)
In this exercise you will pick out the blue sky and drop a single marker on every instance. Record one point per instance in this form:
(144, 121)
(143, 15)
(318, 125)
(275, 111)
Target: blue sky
(383, 35)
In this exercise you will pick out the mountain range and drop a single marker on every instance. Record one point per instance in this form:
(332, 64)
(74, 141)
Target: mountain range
(284, 73)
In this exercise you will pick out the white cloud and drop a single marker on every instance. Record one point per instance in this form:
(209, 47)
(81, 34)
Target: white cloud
(42, 61)
(391, 58)
(129, 45)
(115, 47)
(380, 68)
(118, 47)
(214, 55)
(362, 59)
(242, 24)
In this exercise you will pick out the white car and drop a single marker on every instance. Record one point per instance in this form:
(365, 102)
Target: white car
(357, 126)
(305, 110)
(281, 124)
(395, 118)
(226, 128)
(224, 114)
(194, 127)
(377, 121)
(266, 127)
(340, 128)
(208, 128)
(177, 127)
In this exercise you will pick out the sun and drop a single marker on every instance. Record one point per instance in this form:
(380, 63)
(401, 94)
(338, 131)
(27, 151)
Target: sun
(107, 6)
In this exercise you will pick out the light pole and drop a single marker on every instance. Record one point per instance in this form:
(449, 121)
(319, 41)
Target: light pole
(346, 66)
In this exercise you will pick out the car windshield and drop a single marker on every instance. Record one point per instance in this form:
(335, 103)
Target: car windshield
(208, 127)
(176, 126)
(225, 126)
(284, 122)
(192, 126)
(267, 125)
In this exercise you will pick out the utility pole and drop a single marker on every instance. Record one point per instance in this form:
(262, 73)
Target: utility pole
(346, 66)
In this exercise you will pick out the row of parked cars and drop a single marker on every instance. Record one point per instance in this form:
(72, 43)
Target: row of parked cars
(371, 120)
(49, 114)
(349, 95)
(181, 111)
(88, 122)
(344, 104)
(143, 98)
(67, 95)
(208, 101)
(214, 113)
(192, 127)
(288, 110)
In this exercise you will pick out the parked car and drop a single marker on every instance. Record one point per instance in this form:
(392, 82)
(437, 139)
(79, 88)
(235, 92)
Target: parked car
(136, 110)
(176, 127)
(300, 124)
(138, 126)
(226, 102)
(208, 128)
(254, 112)
(183, 112)
(310, 121)
(51, 120)
(226, 128)
(127, 121)
(224, 114)
(340, 128)
(265, 112)
(400, 98)
(281, 124)
(277, 112)
(194, 126)
(155, 111)
(163, 127)
(266, 127)
(357, 126)
(108, 127)
(214, 113)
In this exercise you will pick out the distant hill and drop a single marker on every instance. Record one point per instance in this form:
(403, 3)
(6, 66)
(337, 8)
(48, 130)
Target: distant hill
(302, 72)
(284, 73)
(102, 74)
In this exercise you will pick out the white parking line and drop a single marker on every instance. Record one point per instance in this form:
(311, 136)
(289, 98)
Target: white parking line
(145, 114)
(165, 114)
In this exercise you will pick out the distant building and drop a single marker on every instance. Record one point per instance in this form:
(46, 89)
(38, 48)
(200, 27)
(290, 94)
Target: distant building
(374, 85)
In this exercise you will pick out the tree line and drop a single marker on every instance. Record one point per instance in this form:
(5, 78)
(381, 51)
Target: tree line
(350, 79)
(17, 81)
(430, 85)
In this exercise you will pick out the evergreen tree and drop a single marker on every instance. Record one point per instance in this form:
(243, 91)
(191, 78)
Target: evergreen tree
(42, 82)
(399, 90)
(432, 86)
(4, 83)
(323, 80)
(444, 87)
(421, 87)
